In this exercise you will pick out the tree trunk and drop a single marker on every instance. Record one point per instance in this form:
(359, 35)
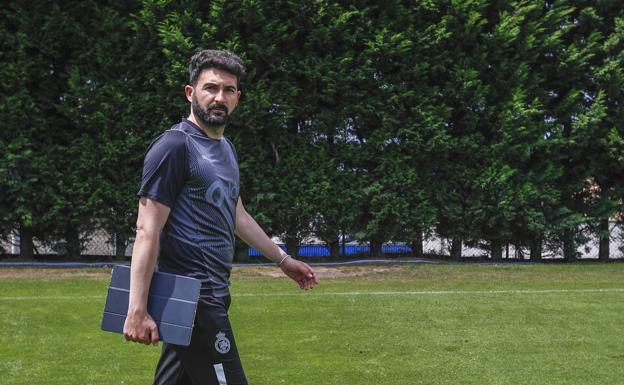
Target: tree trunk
(334, 248)
(26, 243)
(604, 248)
(292, 247)
(536, 249)
(375, 249)
(496, 251)
(241, 251)
(121, 243)
(456, 249)
(241, 254)
(72, 242)
(569, 248)
(417, 243)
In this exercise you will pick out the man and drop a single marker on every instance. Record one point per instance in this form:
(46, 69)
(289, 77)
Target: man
(189, 211)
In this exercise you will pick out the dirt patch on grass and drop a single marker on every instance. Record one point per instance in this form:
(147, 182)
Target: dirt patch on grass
(246, 271)
(321, 272)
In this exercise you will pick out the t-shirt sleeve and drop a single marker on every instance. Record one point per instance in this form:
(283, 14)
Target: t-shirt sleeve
(165, 169)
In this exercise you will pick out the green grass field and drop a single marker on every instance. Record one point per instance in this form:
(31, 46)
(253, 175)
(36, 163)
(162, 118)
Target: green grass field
(417, 324)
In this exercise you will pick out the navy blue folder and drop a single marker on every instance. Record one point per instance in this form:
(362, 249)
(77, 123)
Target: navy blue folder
(172, 303)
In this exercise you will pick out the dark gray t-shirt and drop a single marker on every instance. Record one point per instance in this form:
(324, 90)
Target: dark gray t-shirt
(197, 178)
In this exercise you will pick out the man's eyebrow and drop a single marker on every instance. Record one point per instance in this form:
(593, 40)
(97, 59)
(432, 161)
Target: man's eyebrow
(230, 86)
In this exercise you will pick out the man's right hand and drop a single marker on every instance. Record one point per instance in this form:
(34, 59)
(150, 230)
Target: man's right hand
(140, 327)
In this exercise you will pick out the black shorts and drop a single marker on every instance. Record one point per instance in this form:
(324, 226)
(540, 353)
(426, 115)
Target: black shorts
(211, 358)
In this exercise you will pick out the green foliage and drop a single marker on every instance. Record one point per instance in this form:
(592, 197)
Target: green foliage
(479, 120)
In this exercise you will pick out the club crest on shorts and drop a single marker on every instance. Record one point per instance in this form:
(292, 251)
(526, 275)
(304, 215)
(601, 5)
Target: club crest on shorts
(222, 344)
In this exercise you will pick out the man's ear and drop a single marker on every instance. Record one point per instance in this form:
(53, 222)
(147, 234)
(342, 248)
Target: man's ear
(188, 91)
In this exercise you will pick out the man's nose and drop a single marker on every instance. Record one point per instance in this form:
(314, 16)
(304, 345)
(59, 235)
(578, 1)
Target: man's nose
(220, 96)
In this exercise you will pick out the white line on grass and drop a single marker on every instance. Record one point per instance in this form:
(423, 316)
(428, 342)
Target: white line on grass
(352, 293)
(435, 292)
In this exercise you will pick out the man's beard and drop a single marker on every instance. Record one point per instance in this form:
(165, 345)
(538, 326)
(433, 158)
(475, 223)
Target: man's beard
(207, 117)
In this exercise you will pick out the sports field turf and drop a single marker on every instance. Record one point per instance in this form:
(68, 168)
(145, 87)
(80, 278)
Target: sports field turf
(416, 324)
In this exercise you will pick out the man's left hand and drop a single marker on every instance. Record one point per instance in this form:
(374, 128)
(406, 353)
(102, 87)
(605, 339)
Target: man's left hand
(299, 272)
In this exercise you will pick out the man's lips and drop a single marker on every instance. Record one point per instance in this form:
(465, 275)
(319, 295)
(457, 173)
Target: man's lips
(218, 109)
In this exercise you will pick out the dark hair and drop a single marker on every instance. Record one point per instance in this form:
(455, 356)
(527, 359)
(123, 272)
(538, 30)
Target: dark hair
(210, 58)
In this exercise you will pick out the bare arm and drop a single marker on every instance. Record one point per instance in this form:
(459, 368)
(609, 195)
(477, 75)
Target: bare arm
(250, 232)
(139, 326)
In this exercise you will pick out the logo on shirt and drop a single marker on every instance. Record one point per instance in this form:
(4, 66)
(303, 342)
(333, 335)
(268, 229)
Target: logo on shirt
(206, 157)
(222, 344)
(218, 191)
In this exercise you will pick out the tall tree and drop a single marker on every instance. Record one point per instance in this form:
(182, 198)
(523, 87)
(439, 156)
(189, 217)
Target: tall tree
(598, 128)
(46, 197)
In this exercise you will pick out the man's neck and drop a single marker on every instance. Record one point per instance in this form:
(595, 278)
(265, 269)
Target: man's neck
(211, 132)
